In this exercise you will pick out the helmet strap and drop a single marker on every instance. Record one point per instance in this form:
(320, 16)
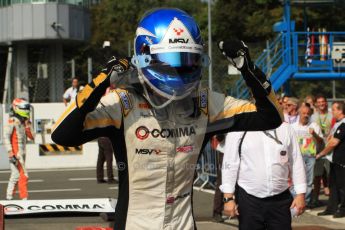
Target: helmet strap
(147, 96)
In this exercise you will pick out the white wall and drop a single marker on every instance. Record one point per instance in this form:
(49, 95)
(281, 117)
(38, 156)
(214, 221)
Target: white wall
(87, 159)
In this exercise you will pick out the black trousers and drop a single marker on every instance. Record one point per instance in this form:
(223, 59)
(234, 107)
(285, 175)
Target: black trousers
(218, 204)
(271, 213)
(336, 200)
(105, 154)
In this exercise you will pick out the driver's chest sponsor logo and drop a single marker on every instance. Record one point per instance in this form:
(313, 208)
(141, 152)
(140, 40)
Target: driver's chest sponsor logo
(143, 132)
(147, 151)
(185, 149)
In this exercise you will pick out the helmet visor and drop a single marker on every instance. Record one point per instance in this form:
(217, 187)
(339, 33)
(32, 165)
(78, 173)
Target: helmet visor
(172, 69)
(22, 112)
(24, 106)
(185, 66)
(178, 55)
(178, 60)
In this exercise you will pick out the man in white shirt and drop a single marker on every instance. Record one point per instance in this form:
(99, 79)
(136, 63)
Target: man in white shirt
(309, 138)
(260, 163)
(72, 91)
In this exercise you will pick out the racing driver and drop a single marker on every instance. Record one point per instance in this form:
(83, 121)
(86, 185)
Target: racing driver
(17, 131)
(159, 118)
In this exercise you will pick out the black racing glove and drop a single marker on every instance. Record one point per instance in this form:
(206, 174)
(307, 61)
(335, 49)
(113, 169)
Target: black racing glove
(14, 160)
(120, 65)
(237, 53)
(88, 98)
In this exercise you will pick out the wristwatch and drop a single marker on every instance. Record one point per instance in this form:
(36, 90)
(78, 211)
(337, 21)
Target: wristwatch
(227, 199)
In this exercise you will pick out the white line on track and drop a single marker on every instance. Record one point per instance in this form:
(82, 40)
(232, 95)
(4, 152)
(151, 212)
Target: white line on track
(30, 181)
(79, 179)
(85, 178)
(113, 188)
(56, 190)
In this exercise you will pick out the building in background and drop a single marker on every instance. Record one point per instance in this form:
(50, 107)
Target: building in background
(33, 37)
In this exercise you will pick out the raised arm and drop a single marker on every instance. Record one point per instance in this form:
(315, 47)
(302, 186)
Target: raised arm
(88, 118)
(230, 114)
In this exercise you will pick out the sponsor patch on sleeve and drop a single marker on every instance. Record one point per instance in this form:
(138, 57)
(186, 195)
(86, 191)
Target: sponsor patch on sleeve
(203, 101)
(126, 103)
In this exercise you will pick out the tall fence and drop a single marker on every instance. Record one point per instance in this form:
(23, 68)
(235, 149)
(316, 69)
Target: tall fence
(38, 81)
(207, 168)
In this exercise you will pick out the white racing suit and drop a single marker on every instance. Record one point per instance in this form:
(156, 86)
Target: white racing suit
(157, 150)
(16, 134)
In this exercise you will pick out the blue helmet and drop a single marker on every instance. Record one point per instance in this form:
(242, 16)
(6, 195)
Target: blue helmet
(169, 52)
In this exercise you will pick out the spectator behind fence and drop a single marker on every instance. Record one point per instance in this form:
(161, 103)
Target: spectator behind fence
(322, 166)
(336, 143)
(218, 205)
(71, 92)
(310, 99)
(292, 110)
(309, 137)
(259, 163)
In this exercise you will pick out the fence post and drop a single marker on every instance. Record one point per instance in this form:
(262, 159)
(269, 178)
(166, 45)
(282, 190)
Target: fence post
(89, 69)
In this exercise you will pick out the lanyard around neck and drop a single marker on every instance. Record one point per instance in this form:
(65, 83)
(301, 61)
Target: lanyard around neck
(323, 121)
(275, 137)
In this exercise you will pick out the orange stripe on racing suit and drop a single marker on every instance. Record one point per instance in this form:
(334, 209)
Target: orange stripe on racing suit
(14, 142)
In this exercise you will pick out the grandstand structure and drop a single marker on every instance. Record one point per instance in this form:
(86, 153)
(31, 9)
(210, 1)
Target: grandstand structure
(33, 37)
(302, 55)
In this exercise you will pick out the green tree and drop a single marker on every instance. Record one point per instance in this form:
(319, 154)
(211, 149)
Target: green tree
(252, 21)
(249, 20)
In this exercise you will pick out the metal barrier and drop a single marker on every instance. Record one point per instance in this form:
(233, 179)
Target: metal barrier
(207, 167)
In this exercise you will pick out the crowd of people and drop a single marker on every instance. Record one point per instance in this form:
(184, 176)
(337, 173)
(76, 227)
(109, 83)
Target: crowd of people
(312, 121)
(290, 166)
